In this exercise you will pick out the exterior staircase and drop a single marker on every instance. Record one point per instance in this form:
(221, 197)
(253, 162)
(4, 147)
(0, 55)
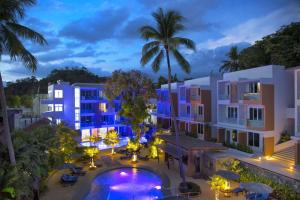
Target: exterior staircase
(287, 155)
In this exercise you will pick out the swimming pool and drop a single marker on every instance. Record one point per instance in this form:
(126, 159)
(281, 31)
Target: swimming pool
(126, 184)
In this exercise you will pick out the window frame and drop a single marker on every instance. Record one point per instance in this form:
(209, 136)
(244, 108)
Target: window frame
(58, 94)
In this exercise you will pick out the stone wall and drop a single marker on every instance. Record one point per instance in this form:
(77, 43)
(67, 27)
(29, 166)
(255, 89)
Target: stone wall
(293, 183)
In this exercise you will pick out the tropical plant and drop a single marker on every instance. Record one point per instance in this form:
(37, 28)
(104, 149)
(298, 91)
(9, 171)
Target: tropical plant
(232, 64)
(13, 101)
(67, 142)
(92, 150)
(112, 139)
(12, 34)
(8, 179)
(153, 149)
(26, 101)
(163, 43)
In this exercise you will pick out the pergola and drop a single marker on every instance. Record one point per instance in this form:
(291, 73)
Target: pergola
(192, 147)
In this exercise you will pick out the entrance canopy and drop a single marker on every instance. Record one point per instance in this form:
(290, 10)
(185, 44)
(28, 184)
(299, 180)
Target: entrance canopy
(188, 143)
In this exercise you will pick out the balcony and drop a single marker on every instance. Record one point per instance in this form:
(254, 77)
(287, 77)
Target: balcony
(251, 96)
(223, 97)
(255, 123)
(89, 98)
(197, 118)
(87, 124)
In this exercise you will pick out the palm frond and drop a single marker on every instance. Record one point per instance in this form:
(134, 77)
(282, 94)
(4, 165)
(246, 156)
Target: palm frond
(148, 32)
(149, 45)
(147, 56)
(16, 50)
(173, 21)
(188, 43)
(157, 61)
(27, 33)
(184, 64)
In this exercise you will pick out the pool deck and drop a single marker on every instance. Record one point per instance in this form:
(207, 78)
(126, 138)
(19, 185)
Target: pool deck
(79, 190)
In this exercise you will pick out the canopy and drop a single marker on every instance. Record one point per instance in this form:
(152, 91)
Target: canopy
(256, 187)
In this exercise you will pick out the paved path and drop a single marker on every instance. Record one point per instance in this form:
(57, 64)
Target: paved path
(77, 192)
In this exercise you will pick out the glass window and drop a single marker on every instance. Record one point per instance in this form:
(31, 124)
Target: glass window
(232, 112)
(254, 87)
(250, 139)
(200, 110)
(58, 94)
(199, 91)
(77, 97)
(58, 121)
(253, 139)
(50, 107)
(102, 107)
(256, 113)
(188, 110)
(200, 128)
(77, 114)
(58, 107)
(77, 126)
(85, 134)
(234, 135)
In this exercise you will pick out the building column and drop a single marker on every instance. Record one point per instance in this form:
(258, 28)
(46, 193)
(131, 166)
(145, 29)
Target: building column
(268, 148)
(207, 132)
(221, 135)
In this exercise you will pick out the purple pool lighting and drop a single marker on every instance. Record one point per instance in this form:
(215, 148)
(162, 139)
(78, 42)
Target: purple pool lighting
(126, 183)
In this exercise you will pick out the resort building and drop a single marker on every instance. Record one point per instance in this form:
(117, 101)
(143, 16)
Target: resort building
(296, 137)
(253, 107)
(163, 108)
(84, 107)
(197, 111)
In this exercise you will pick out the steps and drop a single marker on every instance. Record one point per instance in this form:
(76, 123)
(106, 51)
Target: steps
(286, 155)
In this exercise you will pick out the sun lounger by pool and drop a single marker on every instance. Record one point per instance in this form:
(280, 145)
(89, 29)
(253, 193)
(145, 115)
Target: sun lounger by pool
(67, 179)
(75, 171)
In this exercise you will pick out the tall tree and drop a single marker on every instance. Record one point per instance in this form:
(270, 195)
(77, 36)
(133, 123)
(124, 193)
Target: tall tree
(163, 43)
(232, 64)
(11, 35)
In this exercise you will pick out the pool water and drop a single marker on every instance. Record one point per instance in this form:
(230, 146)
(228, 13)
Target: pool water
(126, 184)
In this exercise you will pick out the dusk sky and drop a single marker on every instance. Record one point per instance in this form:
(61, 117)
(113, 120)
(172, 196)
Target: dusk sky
(103, 36)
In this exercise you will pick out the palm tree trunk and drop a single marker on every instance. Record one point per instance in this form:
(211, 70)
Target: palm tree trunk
(7, 135)
(173, 118)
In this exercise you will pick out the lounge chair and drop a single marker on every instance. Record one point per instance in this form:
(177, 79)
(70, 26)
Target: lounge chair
(253, 196)
(67, 179)
(237, 191)
(75, 171)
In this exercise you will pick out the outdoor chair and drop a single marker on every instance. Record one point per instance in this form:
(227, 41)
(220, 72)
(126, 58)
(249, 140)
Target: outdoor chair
(75, 171)
(237, 191)
(254, 196)
(67, 179)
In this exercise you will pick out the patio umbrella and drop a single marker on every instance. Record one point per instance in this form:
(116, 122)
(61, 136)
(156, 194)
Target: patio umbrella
(229, 175)
(256, 187)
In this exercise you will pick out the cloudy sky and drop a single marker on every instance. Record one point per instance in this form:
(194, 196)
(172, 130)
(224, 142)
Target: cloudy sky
(103, 36)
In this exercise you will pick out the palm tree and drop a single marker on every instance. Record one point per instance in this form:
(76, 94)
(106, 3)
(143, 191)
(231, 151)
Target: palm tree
(163, 43)
(11, 11)
(233, 63)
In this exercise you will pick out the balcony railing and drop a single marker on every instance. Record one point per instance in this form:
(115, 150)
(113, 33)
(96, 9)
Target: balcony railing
(87, 111)
(87, 124)
(255, 123)
(229, 120)
(89, 98)
(223, 97)
(196, 117)
(251, 96)
(195, 97)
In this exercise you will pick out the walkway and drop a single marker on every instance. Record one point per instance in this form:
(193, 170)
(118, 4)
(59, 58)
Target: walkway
(77, 192)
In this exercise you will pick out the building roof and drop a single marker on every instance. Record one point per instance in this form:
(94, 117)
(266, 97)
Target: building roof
(189, 143)
(96, 85)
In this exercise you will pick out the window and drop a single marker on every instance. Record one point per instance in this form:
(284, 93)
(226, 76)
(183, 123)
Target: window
(188, 110)
(232, 112)
(58, 121)
(77, 126)
(200, 128)
(228, 89)
(77, 114)
(58, 94)
(200, 110)
(234, 135)
(102, 107)
(77, 97)
(254, 87)
(85, 134)
(253, 139)
(58, 107)
(256, 113)
(199, 92)
(50, 107)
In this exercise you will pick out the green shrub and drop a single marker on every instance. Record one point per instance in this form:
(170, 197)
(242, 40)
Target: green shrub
(284, 137)
(240, 147)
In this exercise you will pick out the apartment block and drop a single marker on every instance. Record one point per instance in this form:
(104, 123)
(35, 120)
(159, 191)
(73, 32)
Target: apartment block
(197, 106)
(296, 137)
(253, 105)
(163, 112)
(84, 107)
